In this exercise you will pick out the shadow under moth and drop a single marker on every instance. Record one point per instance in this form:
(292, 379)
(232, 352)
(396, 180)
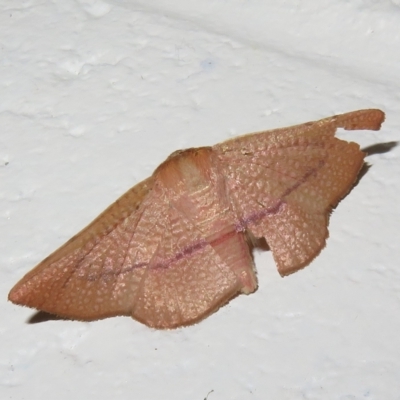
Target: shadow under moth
(175, 247)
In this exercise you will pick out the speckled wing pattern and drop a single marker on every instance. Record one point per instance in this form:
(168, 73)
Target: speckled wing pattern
(199, 261)
(166, 253)
(283, 183)
(173, 249)
(82, 278)
(186, 277)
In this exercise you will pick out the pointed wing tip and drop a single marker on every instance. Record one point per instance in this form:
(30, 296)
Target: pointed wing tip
(369, 119)
(21, 294)
(283, 272)
(289, 268)
(17, 296)
(286, 271)
(378, 118)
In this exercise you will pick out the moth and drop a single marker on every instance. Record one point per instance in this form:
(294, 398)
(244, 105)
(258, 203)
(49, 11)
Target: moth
(175, 247)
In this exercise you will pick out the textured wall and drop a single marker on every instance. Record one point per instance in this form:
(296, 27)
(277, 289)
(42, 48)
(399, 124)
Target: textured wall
(95, 94)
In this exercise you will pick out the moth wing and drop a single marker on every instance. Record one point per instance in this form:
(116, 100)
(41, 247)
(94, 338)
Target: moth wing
(187, 277)
(283, 183)
(82, 279)
(141, 257)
